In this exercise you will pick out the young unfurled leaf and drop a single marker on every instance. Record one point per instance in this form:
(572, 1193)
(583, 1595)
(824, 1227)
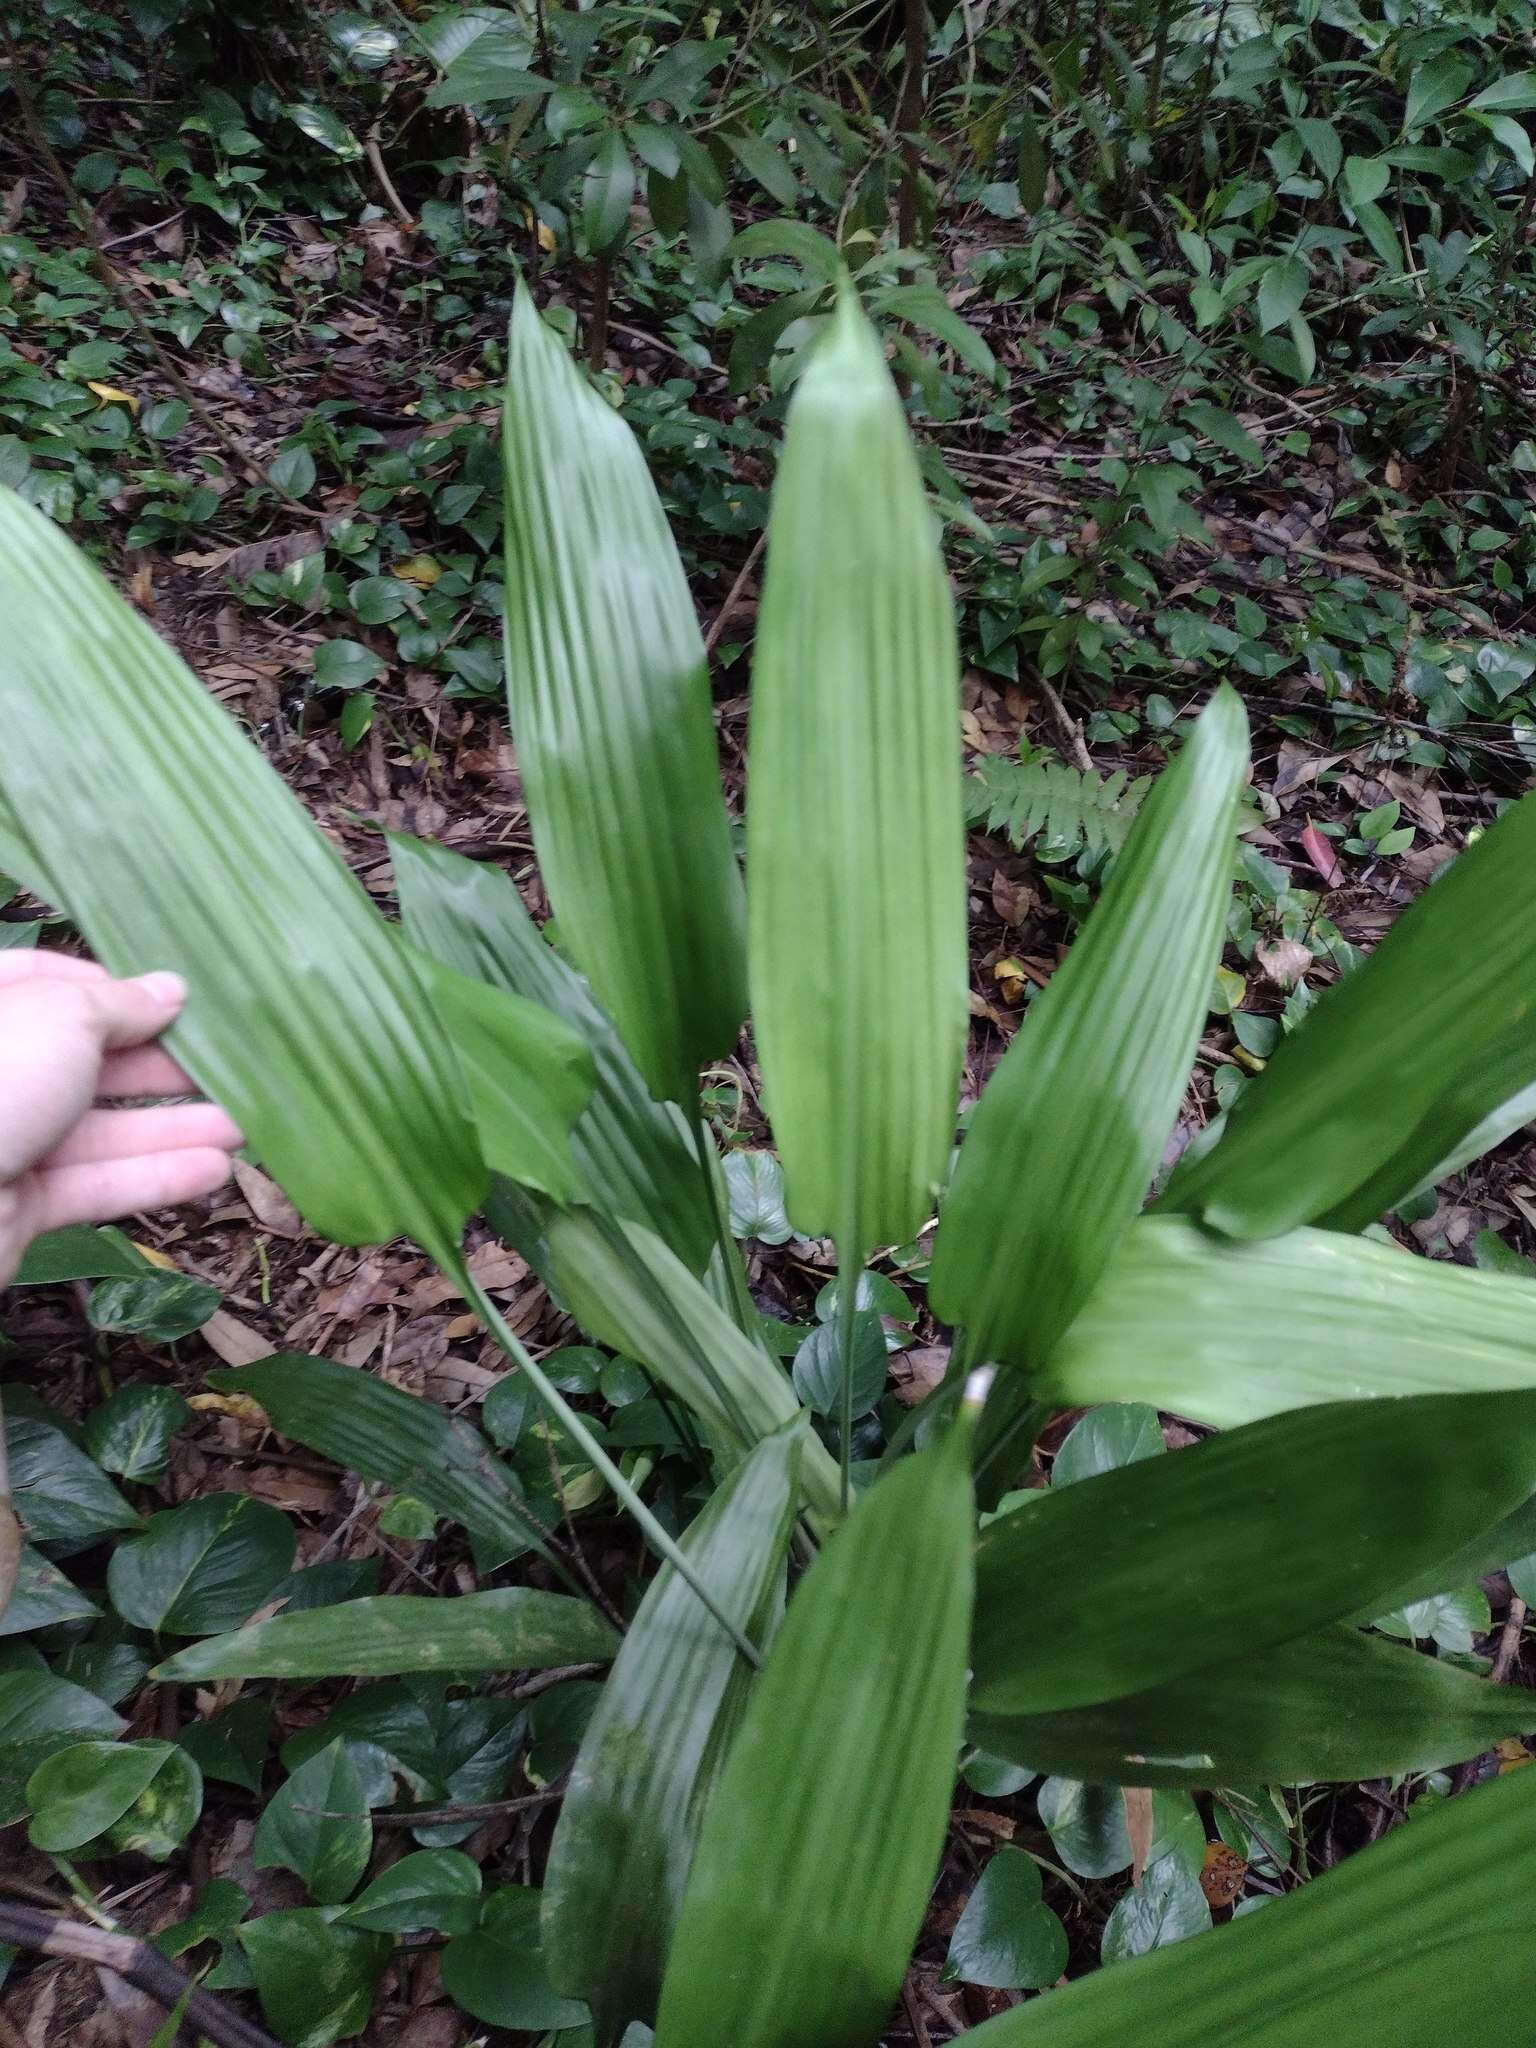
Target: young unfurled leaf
(854, 842)
(819, 1846)
(609, 703)
(305, 1019)
(655, 1746)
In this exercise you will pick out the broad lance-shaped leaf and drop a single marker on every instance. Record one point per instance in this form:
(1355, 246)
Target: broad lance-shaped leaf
(1070, 1128)
(855, 843)
(634, 1153)
(627, 1290)
(513, 1628)
(1394, 1066)
(1330, 1708)
(171, 843)
(1241, 1542)
(820, 1844)
(1391, 1945)
(609, 698)
(1225, 1333)
(396, 1438)
(655, 1746)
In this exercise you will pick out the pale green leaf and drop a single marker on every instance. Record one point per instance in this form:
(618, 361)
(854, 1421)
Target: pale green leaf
(610, 710)
(814, 1866)
(513, 1628)
(1227, 1332)
(173, 844)
(654, 1748)
(854, 839)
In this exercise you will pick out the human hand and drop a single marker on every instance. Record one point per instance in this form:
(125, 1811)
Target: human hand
(71, 1037)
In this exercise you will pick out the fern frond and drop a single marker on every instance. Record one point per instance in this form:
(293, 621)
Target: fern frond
(1069, 810)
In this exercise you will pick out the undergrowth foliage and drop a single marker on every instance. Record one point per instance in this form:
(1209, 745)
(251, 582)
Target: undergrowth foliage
(1209, 267)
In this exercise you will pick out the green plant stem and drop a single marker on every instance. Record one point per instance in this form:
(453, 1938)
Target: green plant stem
(850, 1265)
(559, 1410)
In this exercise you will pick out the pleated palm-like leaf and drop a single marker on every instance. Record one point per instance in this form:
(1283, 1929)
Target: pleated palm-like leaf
(169, 840)
(609, 700)
(855, 843)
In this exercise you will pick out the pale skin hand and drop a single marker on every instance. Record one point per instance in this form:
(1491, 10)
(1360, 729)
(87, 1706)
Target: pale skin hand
(71, 1039)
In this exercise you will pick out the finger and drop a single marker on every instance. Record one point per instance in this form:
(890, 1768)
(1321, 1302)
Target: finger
(109, 1188)
(35, 964)
(136, 1133)
(143, 1070)
(133, 1012)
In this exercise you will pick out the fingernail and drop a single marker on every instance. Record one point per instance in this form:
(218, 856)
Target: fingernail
(169, 989)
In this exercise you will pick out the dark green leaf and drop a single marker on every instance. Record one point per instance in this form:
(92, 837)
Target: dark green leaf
(158, 1306)
(1164, 1906)
(818, 1374)
(803, 244)
(1282, 288)
(607, 193)
(1241, 1542)
(498, 1973)
(314, 1977)
(130, 1433)
(1224, 430)
(1401, 1929)
(1007, 1937)
(40, 1714)
(232, 1744)
(1087, 1826)
(754, 1184)
(63, 1497)
(317, 1825)
(41, 1596)
(769, 166)
(437, 1888)
(1432, 88)
(201, 1567)
(79, 1253)
(345, 665)
(1107, 1438)
(143, 1796)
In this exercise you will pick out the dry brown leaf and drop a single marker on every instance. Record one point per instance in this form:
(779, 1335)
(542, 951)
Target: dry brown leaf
(235, 1342)
(1138, 1827)
(1222, 1877)
(916, 1373)
(1285, 962)
(268, 1204)
(1003, 1825)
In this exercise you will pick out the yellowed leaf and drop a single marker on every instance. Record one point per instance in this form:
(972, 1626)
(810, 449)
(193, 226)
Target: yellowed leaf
(418, 569)
(239, 1407)
(110, 395)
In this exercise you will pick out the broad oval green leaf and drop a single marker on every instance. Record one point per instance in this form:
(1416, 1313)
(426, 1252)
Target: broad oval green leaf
(819, 1847)
(1397, 1063)
(115, 762)
(1225, 1332)
(633, 1152)
(512, 1628)
(1070, 1128)
(653, 1750)
(607, 193)
(609, 702)
(1395, 1935)
(317, 1825)
(1335, 1707)
(1243, 1541)
(855, 846)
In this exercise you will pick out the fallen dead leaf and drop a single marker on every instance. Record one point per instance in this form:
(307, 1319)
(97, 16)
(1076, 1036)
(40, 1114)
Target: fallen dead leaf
(1322, 856)
(235, 1342)
(268, 1204)
(916, 1373)
(1138, 1827)
(238, 1407)
(1223, 1874)
(1285, 962)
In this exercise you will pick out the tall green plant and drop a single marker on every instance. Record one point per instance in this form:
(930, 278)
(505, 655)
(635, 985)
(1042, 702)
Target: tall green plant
(770, 1797)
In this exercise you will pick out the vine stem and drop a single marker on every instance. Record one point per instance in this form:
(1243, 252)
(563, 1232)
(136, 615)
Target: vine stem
(560, 1410)
(743, 1308)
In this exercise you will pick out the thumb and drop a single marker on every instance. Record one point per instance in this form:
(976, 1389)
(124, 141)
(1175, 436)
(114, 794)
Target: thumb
(128, 1013)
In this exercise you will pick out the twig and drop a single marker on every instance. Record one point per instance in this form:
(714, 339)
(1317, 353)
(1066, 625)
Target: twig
(54, 1934)
(718, 624)
(375, 158)
(1070, 731)
(451, 1816)
(1509, 1641)
(106, 270)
